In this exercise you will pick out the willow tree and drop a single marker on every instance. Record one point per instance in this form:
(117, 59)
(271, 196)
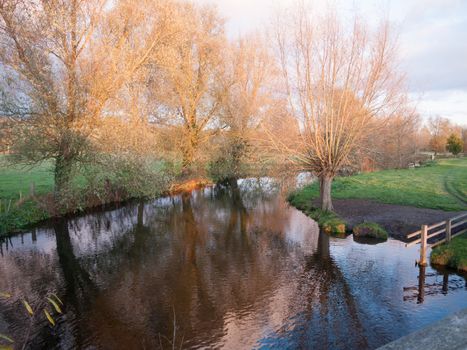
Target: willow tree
(338, 79)
(63, 61)
(187, 80)
(248, 73)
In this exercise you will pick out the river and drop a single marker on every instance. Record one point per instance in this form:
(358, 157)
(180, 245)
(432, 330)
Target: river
(217, 268)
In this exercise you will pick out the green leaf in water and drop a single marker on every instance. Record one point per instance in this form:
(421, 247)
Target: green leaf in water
(55, 305)
(5, 295)
(8, 339)
(28, 307)
(58, 299)
(51, 320)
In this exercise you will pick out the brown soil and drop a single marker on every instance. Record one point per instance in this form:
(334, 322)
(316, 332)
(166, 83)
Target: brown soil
(398, 220)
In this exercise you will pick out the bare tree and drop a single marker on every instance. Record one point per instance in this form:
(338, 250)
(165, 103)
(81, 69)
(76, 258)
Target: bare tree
(191, 94)
(248, 73)
(398, 140)
(440, 129)
(339, 80)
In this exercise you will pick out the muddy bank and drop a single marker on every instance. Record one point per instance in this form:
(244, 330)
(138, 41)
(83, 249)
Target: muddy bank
(398, 220)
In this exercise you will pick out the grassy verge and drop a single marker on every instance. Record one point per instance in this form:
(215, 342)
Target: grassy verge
(442, 185)
(453, 254)
(328, 221)
(371, 230)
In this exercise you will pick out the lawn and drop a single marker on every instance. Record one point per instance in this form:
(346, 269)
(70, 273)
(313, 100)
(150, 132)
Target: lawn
(442, 185)
(16, 179)
(15, 182)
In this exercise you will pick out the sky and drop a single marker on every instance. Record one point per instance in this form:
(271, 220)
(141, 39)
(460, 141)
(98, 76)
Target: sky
(432, 41)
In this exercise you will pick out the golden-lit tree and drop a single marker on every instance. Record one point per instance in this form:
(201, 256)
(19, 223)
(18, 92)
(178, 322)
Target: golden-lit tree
(339, 81)
(248, 75)
(65, 60)
(187, 81)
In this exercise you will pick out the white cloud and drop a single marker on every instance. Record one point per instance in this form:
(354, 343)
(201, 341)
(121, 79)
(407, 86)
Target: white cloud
(451, 104)
(432, 36)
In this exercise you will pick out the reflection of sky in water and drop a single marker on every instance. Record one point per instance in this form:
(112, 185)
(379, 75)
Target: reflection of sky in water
(241, 269)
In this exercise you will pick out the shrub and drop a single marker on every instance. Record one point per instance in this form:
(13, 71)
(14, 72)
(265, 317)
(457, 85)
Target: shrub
(20, 216)
(370, 229)
(128, 176)
(454, 144)
(453, 254)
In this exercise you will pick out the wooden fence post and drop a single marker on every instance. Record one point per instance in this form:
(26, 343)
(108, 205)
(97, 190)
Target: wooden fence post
(32, 189)
(421, 284)
(448, 230)
(423, 245)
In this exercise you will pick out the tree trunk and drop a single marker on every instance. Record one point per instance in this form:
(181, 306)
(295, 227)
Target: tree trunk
(189, 149)
(325, 200)
(62, 175)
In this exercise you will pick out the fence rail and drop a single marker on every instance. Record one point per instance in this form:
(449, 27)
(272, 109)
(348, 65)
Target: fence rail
(423, 235)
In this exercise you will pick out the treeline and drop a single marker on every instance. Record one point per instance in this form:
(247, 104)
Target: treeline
(131, 95)
(408, 138)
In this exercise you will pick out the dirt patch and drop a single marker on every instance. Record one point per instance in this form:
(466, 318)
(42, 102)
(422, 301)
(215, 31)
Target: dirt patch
(398, 220)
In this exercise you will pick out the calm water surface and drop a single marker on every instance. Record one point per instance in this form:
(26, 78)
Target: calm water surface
(234, 269)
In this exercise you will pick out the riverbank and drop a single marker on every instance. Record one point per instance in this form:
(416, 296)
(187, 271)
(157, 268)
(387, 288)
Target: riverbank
(398, 200)
(26, 196)
(453, 254)
(441, 185)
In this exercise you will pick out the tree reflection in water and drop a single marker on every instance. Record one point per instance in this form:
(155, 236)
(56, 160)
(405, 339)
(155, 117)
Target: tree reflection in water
(234, 265)
(327, 316)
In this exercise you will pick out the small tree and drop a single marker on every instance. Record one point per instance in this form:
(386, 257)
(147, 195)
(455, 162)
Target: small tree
(454, 144)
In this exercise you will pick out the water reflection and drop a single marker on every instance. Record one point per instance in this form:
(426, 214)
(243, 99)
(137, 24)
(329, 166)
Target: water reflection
(433, 283)
(230, 267)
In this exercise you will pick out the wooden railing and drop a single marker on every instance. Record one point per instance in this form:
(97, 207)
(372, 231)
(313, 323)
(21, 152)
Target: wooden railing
(445, 227)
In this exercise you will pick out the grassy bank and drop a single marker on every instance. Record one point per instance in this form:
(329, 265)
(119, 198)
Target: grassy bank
(26, 192)
(453, 255)
(442, 185)
(15, 184)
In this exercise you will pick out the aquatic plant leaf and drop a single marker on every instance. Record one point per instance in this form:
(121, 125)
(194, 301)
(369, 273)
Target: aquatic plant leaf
(55, 305)
(5, 295)
(28, 307)
(3, 336)
(51, 320)
(58, 299)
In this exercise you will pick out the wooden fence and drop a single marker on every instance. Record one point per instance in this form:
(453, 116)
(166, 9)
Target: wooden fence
(426, 232)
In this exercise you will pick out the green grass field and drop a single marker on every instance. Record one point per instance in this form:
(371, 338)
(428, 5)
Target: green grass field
(15, 182)
(16, 179)
(442, 185)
